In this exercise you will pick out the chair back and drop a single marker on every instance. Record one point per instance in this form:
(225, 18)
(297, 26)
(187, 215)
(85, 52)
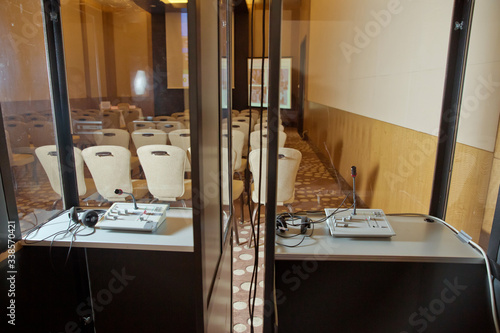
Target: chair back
(264, 126)
(169, 126)
(149, 136)
(288, 166)
(110, 119)
(123, 106)
(238, 140)
(42, 133)
(140, 125)
(14, 117)
(110, 169)
(241, 119)
(130, 115)
(243, 128)
(235, 113)
(112, 137)
(48, 157)
(164, 168)
(180, 138)
(18, 133)
(256, 136)
(35, 117)
(164, 118)
(176, 114)
(225, 176)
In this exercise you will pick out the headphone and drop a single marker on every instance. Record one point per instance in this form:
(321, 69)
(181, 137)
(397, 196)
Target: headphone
(281, 225)
(89, 217)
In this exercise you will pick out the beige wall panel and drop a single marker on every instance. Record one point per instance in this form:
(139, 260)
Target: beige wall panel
(95, 44)
(396, 166)
(469, 189)
(73, 49)
(491, 201)
(23, 75)
(175, 57)
(133, 56)
(131, 49)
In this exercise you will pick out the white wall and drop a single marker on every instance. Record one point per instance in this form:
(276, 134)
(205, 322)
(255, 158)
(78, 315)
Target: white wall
(386, 59)
(481, 98)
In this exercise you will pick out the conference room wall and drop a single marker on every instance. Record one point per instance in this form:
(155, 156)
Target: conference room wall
(396, 156)
(21, 37)
(396, 165)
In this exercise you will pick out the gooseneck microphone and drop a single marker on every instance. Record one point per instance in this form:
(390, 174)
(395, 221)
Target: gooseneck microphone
(120, 192)
(353, 174)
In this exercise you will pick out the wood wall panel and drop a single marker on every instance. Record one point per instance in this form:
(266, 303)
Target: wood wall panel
(396, 165)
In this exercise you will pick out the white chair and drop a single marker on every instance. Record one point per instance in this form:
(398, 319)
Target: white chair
(237, 190)
(19, 159)
(288, 166)
(139, 125)
(177, 114)
(47, 155)
(130, 115)
(116, 137)
(169, 126)
(182, 139)
(149, 136)
(112, 137)
(238, 141)
(14, 117)
(235, 113)
(110, 119)
(19, 138)
(264, 126)
(164, 118)
(164, 168)
(243, 127)
(123, 106)
(110, 169)
(42, 133)
(255, 138)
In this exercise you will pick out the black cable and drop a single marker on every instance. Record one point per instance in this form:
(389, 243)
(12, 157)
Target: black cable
(247, 172)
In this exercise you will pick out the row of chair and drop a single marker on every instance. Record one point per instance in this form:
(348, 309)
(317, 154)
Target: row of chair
(163, 165)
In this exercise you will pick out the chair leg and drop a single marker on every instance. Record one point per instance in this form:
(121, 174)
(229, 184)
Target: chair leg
(235, 228)
(253, 221)
(55, 203)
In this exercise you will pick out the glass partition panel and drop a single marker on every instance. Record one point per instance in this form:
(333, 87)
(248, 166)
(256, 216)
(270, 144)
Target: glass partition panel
(126, 93)
(27, 113)
(371, 95)
(229, 155)
(475, 179)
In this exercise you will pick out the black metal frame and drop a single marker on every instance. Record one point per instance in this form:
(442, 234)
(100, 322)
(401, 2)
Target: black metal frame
(8, 207)
(275, 15)
(60, 101)
(450, 113)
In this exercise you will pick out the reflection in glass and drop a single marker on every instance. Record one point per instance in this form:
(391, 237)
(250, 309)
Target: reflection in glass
(228, 155)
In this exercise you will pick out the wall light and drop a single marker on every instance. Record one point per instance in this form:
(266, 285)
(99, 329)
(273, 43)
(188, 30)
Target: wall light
(174, 1)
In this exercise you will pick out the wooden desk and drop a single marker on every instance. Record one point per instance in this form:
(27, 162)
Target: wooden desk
(138, 282)
(422, 279)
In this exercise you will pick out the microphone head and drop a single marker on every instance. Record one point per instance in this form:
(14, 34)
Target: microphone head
(118, 191)
(353, 171)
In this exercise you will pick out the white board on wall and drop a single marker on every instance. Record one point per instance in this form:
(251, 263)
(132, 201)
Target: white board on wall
(386, 60)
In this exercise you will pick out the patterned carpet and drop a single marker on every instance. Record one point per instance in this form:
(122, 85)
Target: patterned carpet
(317, 187)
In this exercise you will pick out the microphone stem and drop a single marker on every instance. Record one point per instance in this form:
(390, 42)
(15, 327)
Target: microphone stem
(354, 194)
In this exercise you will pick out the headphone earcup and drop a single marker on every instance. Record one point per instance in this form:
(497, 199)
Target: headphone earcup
(90, 218)
(281, 225)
